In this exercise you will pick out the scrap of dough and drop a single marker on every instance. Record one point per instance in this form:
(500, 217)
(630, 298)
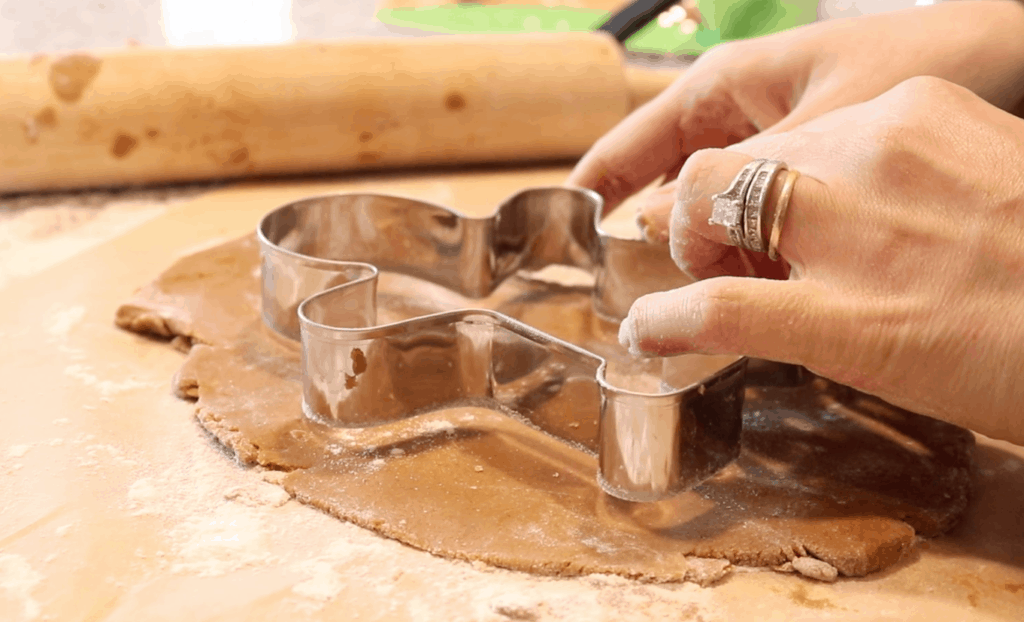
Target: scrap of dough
(815, 569)
(825, 472)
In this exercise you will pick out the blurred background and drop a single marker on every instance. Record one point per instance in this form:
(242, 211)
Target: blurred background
(51, 25)
(41, 229)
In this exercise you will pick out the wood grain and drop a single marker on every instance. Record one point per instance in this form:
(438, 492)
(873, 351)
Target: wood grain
(141, 116)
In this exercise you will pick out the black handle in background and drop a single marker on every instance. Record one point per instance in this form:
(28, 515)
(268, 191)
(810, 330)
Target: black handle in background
(631, 19)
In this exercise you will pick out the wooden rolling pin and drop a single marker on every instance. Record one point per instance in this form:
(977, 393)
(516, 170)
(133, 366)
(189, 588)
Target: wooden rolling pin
(151, 115)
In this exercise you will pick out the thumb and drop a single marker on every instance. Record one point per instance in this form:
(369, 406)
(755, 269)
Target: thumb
(786, 321)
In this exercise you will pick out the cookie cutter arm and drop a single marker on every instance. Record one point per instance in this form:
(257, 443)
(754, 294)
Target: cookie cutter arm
(320, 260)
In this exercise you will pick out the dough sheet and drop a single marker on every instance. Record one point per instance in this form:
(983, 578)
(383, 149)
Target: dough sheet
(825, 473)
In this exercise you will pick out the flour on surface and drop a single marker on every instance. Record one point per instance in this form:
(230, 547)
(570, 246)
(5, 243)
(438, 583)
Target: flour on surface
(18, 451)
(17, 581)
(63, 321)
(214, 520)
(322, 582)
(40, 231)
(106, 388)
(98, 454)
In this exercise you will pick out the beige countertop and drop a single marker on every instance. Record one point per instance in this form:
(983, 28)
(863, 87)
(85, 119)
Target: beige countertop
(117, 506)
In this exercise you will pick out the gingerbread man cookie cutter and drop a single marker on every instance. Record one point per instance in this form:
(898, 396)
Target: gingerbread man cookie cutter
(320, 263)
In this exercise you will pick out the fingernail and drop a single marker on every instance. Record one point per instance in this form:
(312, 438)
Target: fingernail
(653, 216)
(679, 222)
(629, 336)
(648, 231)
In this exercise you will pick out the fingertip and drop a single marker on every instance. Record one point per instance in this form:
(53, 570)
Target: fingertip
(612, 188)
(661, 324)
(628, 336)
(641, 148)
(582, 175)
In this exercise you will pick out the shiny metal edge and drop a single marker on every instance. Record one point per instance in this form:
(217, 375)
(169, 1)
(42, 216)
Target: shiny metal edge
(321, 257)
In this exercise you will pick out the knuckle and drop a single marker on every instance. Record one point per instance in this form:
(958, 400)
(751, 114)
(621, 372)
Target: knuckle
(901, 147)
(901, 122)
(721, 55)
(925, 86)
(916, 98)
(728, 67)
(892, 137)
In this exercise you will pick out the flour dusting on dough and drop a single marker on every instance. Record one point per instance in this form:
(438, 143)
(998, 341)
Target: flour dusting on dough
(437, 426)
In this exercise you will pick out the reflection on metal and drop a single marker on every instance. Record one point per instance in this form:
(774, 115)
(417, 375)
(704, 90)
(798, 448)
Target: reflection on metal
(227, 22)
(320, 258)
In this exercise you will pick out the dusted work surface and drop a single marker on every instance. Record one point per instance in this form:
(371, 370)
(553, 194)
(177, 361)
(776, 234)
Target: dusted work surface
(119, 508)
(825, 479)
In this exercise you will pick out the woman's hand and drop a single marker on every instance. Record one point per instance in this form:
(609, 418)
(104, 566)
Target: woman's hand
(905, 239)
(775, 83)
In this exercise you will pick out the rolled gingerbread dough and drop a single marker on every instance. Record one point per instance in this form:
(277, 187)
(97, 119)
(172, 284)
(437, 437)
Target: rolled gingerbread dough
(825, 472)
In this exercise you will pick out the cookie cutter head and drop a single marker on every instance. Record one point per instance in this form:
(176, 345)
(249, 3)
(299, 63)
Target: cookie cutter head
(320, 262)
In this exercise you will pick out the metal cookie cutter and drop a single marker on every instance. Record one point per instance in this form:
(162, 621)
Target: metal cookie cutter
(320, 261)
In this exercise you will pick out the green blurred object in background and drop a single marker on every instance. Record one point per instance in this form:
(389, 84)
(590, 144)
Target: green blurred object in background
(724, 20)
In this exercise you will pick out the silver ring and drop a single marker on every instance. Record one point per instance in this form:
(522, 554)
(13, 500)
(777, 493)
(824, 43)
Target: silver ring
(727, 208)
(754, 203)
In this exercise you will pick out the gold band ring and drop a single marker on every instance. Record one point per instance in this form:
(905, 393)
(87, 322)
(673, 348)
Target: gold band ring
(780, 214)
